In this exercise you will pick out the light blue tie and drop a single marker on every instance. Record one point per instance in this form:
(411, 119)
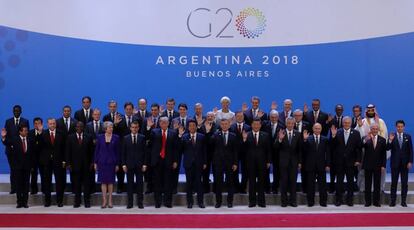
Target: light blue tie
(346, 137)
(400, 140)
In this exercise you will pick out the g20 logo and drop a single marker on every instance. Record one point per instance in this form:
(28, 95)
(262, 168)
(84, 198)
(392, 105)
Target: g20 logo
(250, 23)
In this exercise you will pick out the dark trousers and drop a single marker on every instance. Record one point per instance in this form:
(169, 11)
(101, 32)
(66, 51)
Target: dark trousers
(22, 185)
(395, 173)
(257, 170)
(12, 174)
(370, 176)
(120, 178)
(193, 183)
(162, 179)
(241, 185)
(56, 169)
(312, 177)
(135, 184)
(219, 171)
(206, 172)
(176, 174)
(81, 183)
(33, 177)
(341, 188)
(288, 183)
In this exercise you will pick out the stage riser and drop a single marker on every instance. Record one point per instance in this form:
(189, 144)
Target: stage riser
(180, 199)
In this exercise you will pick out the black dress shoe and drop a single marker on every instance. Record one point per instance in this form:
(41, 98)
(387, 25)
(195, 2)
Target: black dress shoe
(157, 206)
(76, 205)
(129, 206)
(323, 204)
(12, 192)
(87, 205)
(392, 204)
(19, 206)
(47, 205)
(201, 206)
(252, 205)
(262, 205)
(25, 206)
(284, 205)
(148, 192)
(119, 191)
(218, 205)
(168, 205)
(60, 205)
(338, 203)
(293, 204)
(377, 205)
(350, 203)
(404, 204)
(33, 193)
(140, 206)
(230, 205)
(189, 205)
(310, 204)
(367, 205)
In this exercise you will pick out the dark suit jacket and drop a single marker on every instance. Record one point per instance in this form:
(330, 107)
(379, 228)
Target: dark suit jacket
(316, 158)
(267, 127)
(13, 130)
(335, 122)
(19, 159)
(322, 119)
(60, 125)
(77, 155)
(346, 155)
(108, 117)
(292, 152)
(305, 126)
(179, 121)
(165, 114)
(49, 151)
(375, 158)
(248, 116)
(155, 144)
(134, 156)
(262, 151)
(122, 126)
(282, 116)
(235, 129)
(224, 155)
(193, 153)
(401, 156)
(90, 129)
(80, 116)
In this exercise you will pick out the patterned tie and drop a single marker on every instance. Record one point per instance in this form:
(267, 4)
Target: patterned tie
(346, 137)
(374, 141)
(66, 123)
(24, 145)
(163, 144)
(290, 138)
(192, 139)
(400, 140)
(96, 127)
(240, 128)
(52, 138)
(17, 122)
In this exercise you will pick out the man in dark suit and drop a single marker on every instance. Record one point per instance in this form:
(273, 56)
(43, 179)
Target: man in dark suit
(401, 147)
(337, 119)
(66, 124)
(317, 116)
(258, 157)
(134, 164)
(224, 161)
(163, 160)
(35, 135)
(198, 115)
(289, 145)
(356, 115)
(12, 129)
(85, 114)
(208, 129)
(52, 160)
(142, 112)
(238, 128)
(287, 111)
(193, 146)
(346, 154)
(302, 126)
(79, 158)
(317, 155)
(113, 116)
(254, 112)
(374, 162)
(170, 112)
(21, 155)
(124, 128)
(272, 128)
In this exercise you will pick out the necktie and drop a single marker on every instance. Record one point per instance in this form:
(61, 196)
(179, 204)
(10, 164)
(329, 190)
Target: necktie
(52, 137)
(17, 122)
(338, 120)
(96, 127)
(79, 139)
(290, 138)
(134, 139)
(374, 141)
(192, 139)
(346, 137)
(183, 122)
(255, 139)
(400, 140)
(254, 113)
(67, 123)
(225, 138)
(155, 122)
(87, 115)
(169, 115)
(315, 115)
(274, 127)
(142, 114)
(24, 145)
(129, 121)
(163, 144)
(240, 128)
(112, 117)
(317, 142)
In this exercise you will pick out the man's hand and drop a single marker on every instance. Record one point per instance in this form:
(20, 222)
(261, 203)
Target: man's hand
(150, 122)
(274, 105)
(305, 135)
(260, 114)
(357, 163)
(244, 107)
(305, 108)
(174, 166)
(334, 130)
(181, 131)
(281, 134)
(267, 165)
(409, 165)
(244, 134)
(95, 166)
(360, 122)
(117, 118)
(3, 133)
(382, 169)
(234, 168)
(116, 168)
(330, 118)
(64, 165)
(299, 166)
(204, 167)
(391, 137)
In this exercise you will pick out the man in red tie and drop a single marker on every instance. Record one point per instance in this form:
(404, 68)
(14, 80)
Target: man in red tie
(22, 152)
(163, 160)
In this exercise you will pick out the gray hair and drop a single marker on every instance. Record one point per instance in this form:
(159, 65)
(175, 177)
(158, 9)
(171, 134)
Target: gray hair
(96, 110)
(298, 111)
(106, 124)
(274, 112)
(112, 101)
(290, 119)
(373, 125)
(164, 119)
(288, 100)
(225, 98)
(198, 104)
(256, 98)
(347, 118)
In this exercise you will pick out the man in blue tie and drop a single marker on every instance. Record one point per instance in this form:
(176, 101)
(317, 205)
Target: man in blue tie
(401, 148)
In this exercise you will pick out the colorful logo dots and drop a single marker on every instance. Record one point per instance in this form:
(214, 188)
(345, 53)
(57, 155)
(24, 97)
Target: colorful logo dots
(257, 30)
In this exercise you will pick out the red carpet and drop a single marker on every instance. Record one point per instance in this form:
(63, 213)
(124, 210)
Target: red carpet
(207, 220)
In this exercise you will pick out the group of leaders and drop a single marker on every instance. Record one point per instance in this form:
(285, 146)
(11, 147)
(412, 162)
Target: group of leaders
(241, 149)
